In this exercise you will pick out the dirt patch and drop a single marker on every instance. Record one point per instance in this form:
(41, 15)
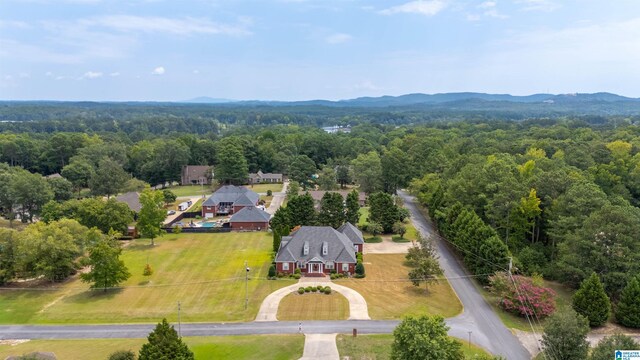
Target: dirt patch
(387, 246)
(13, 342)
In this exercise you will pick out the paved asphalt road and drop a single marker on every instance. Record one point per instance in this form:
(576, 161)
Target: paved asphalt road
(487, 330)
(195, 329)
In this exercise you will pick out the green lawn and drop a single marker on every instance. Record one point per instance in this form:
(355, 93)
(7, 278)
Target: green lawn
(205, 272)
(313, 306)
(252, 347)
(390, 295)
(364, 214)
(191, 190)
(262, 188)
(378, 347)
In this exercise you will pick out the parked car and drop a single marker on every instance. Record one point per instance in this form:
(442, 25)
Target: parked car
(171, 212)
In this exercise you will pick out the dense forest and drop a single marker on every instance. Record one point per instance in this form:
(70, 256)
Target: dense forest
(559, 195)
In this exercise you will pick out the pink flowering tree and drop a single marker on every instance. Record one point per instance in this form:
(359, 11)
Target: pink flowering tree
(524, 298)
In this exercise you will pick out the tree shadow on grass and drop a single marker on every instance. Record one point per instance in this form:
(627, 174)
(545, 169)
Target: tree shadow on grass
(93, 295)
(142, 247)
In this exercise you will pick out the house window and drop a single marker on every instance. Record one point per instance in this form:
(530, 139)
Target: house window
(285, 266)
(325, 248)
(345, 267)
(330, 265)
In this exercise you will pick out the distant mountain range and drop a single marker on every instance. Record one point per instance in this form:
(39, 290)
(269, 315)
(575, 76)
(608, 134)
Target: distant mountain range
(460, 98)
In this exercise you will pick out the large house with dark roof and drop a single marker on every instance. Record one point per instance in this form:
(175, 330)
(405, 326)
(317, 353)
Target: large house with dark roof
(228, 200)
(250, 218)
(317, 250)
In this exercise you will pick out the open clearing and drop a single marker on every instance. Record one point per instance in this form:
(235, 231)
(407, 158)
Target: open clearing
(252, 347)
(378, 347)
(204, 272)
(313, 306)
(390, 295)
(191, 190)
(262, 188)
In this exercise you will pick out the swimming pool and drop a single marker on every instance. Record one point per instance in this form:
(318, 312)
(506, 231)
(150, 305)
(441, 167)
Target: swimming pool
(208, 224)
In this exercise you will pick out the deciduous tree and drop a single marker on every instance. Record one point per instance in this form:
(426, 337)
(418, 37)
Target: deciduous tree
(565, 336)
(152, 214)
(107, 270)
(424, 338)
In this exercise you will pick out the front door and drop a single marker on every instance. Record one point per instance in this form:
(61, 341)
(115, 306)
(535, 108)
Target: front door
(316, 268)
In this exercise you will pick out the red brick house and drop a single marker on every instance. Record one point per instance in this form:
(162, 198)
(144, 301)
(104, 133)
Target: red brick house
(228, 200)
(250, 218)
(317, 250)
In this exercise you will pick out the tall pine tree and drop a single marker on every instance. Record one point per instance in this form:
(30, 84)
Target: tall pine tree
(628, 310)
(331, 210)
(591, 301)
(165, 344)
(352, 212)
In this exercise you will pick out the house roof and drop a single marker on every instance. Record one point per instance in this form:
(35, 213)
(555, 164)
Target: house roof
(353, 233)
(318, 194)
(262, 175)
(195, 171)
(340, 248)
(232, 194)
(250, 214)
(132, 199)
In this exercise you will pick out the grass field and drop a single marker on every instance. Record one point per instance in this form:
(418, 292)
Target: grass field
(205, 272)
(256, 347)
(364, 214)
(191, 190)
(262, 188)
(313, 306)
(378, 347)
(390, 295)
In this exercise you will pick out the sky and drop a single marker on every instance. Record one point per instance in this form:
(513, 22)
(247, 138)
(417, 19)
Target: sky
(155, 50)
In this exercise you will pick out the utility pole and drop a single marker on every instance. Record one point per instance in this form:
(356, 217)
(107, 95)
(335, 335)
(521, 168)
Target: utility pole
(246, 285)
(179, 327)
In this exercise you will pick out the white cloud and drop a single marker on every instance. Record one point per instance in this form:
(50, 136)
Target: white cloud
(14, 24)
(48, 74)
(114, 74)
(175, 26)
(338, 38)
(495, 14)
(196, 72)
(158, 71)
(538, 5)
(473, 17)
(422, 7)
(92, 75)
(488, 4)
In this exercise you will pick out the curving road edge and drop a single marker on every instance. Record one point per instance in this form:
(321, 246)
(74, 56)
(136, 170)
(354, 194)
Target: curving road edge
(487, 330)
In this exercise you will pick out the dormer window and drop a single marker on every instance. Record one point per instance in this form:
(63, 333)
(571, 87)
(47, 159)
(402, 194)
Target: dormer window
(305, 250)
(325, 248)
